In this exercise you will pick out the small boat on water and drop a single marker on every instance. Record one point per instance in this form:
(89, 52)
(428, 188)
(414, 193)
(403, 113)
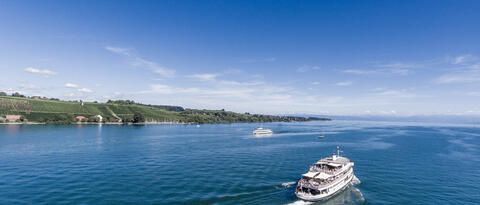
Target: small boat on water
(321, 136)
(262, 132)
(327, 177)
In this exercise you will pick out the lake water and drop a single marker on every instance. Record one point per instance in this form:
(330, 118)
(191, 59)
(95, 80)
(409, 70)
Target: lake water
(223, 164)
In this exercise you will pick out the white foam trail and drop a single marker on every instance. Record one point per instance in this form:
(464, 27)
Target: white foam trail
(358, 195)
(288, 184)
(300, 202)
(355, 180)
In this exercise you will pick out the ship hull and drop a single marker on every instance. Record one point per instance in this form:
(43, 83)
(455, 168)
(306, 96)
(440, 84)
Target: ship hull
(343, 183)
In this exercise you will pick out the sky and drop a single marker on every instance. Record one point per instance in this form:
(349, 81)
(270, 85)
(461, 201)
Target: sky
(271, 57)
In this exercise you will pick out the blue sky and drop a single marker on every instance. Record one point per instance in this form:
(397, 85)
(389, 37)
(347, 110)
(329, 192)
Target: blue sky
(275, 57)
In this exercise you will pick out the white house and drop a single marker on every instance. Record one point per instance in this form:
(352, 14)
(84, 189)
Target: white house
(99, 117)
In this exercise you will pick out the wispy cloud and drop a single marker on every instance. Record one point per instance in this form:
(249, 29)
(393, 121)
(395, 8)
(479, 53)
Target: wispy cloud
(77, 88)
(42, 72)
(239, 96)
(85, 90)
(398, 65)
(344, 83)
(30, 89)
(137, 61)
(118, 50)
(259, 60)
(71, 85)
(382, 71)
(167, 89)
(463, 59)
(163, 72)
(401, 93)
(359, 71)
(465, 74)
(468, 76)
(395, 68)
(204, 76)
(307, 68)
(244, 92)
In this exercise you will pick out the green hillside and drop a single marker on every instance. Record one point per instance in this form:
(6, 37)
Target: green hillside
(56, 111)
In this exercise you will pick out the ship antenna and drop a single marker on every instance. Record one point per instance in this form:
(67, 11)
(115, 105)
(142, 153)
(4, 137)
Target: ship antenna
(338, 151)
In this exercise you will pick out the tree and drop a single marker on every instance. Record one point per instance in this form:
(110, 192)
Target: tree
(16, 94)
(3, 94)
(138, 117)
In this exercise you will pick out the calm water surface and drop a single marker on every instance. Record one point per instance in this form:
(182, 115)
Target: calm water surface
(223, 164)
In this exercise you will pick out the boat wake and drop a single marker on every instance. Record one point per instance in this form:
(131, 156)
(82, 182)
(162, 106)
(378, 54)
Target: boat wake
(351, 196)
(288, 184)
(355, 181)
(300, 202)
(358, 195)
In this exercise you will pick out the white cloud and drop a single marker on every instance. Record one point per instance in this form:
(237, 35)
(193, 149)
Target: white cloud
(204, 76)
(28, 87)
(398, 65)
(470, 75)
(118, 50)
(261, 60)
(344, 83)
(255, 97)
(42, 72)
(164, 72)
(390, 71)
(77, 87)
(307, 68)
(356, 71)
(137, 61)
(402, 93)
(85, 90)
(395, 68)
(360, 71)
(69, 95)
(71, 85)
(463, 59)
(459, 77)
(167, 89)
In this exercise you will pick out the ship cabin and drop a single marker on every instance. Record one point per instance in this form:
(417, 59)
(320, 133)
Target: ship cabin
(312, 182)
(326, 166)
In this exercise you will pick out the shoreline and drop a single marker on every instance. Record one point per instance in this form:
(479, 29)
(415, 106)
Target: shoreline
(23, 123)
(142, 123)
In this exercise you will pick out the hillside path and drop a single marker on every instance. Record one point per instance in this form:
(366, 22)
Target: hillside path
(113, 114)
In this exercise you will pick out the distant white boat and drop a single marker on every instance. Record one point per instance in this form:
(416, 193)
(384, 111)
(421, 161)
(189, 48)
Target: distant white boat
(321, 136)
(262, 132)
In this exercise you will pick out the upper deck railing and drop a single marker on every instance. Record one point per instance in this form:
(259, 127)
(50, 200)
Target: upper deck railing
(319, 184)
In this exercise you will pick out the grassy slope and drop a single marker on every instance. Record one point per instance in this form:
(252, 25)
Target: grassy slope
(36, 110)
(50, 110)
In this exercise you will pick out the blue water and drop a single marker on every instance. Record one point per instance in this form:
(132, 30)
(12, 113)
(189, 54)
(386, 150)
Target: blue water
(223, 164)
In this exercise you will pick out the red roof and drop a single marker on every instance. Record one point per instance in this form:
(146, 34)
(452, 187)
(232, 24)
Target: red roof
(80, 117)
(13, 117)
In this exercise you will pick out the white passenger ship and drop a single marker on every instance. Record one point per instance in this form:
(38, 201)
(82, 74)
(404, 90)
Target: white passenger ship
(325, 178)
(262, 131)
